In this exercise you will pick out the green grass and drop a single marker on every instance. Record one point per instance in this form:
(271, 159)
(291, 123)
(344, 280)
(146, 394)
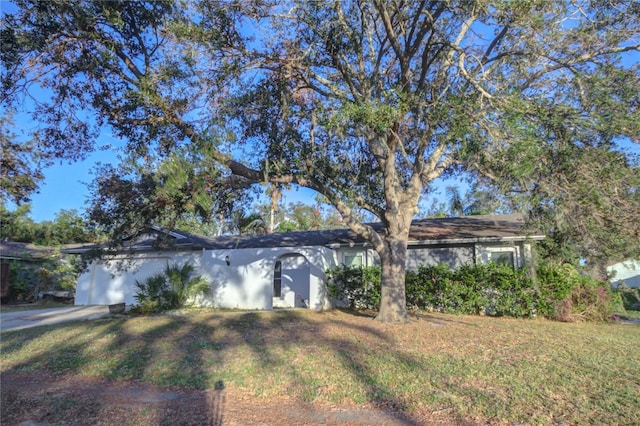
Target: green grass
(496, 370)
(629, 314)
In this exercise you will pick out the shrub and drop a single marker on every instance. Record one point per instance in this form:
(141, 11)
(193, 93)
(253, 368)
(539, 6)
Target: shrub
(20, 279)
(358, 287)
(555, 284)
(172, 289)
(591, 300)
(567, 295)
(152, 295)
(628, 297)
(563, 293)
(474, 289)
(491, 289)
(182, 286)
(429, 287)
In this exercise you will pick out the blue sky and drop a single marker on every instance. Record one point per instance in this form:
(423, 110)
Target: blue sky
(64, 187)
(65, 184)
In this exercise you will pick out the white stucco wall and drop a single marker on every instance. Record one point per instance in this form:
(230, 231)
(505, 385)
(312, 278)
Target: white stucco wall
(627, 272)
(296, 282)
(245, 283)
(112, 282)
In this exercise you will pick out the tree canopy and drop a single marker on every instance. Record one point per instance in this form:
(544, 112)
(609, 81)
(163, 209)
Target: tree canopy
(67, 227)
(366, 102)
(20, 171)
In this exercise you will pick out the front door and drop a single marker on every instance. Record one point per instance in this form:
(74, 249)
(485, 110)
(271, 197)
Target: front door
(291, 278)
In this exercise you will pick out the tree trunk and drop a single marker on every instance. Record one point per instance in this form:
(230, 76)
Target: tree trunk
(393, 301)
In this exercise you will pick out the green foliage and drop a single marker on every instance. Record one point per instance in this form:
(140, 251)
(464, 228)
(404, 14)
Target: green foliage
(183, 288)
(597, 226)
(60, 272)
(174, 288)
(152, 295)
(561, 293)
(366, 103)
(20, 288)
(380, 117)
(628, 297)
(555, 283)
(20, 168)
(358, 286)
(67, 227)
(299, 216)
(28, 278)
(568, 295)
(186, 190)
(491, 289)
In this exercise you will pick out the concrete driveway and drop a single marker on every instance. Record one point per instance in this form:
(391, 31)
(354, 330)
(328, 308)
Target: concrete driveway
(37, 317)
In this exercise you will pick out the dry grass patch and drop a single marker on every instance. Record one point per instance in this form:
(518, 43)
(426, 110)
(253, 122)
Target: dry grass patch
(483, 369)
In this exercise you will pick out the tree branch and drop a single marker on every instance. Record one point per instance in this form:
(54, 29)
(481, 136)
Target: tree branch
(586, 57)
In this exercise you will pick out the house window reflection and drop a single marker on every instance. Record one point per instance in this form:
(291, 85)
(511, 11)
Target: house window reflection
(277, 279)
(353, 260)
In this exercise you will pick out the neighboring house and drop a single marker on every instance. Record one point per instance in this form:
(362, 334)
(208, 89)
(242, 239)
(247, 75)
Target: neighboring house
(25, 263)
(288, 269)
(627, 272)
(21, 261)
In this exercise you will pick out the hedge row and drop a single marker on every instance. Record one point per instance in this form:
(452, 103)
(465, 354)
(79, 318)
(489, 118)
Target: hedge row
(561, 292)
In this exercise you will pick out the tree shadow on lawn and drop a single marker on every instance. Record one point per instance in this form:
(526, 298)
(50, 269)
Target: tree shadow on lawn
(289, 352)
(438, 320)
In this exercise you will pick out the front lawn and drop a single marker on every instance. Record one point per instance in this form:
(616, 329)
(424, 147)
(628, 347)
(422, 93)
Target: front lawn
(479, 369)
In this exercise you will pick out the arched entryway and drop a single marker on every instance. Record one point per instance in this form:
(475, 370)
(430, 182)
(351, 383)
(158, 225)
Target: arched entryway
(291, 281)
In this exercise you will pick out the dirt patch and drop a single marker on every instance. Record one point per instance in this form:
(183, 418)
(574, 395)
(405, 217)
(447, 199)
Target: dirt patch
(37, 399)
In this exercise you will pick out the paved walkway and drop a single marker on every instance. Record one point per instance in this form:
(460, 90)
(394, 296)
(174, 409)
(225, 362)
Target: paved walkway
(33, 318)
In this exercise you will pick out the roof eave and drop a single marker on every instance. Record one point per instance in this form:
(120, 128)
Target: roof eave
(142, 248)
(448, 241)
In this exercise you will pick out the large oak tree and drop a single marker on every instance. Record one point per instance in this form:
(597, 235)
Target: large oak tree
(365, 102)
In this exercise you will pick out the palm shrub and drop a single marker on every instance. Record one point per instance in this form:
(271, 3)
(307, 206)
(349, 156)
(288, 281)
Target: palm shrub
(152, 295)
(174, 288)
(182, 286)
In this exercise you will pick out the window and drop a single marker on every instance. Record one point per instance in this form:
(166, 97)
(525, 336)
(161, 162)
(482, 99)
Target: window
(277, 279)
(502, 257)
(505, 255)
(353, 260)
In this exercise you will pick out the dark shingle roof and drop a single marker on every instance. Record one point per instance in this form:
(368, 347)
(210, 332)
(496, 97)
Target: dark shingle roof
(423, 231)
(23, 251)
(439, 230)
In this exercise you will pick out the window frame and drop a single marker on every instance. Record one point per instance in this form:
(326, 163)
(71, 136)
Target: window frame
(277, 279)
(353, 256)
(513, 250)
